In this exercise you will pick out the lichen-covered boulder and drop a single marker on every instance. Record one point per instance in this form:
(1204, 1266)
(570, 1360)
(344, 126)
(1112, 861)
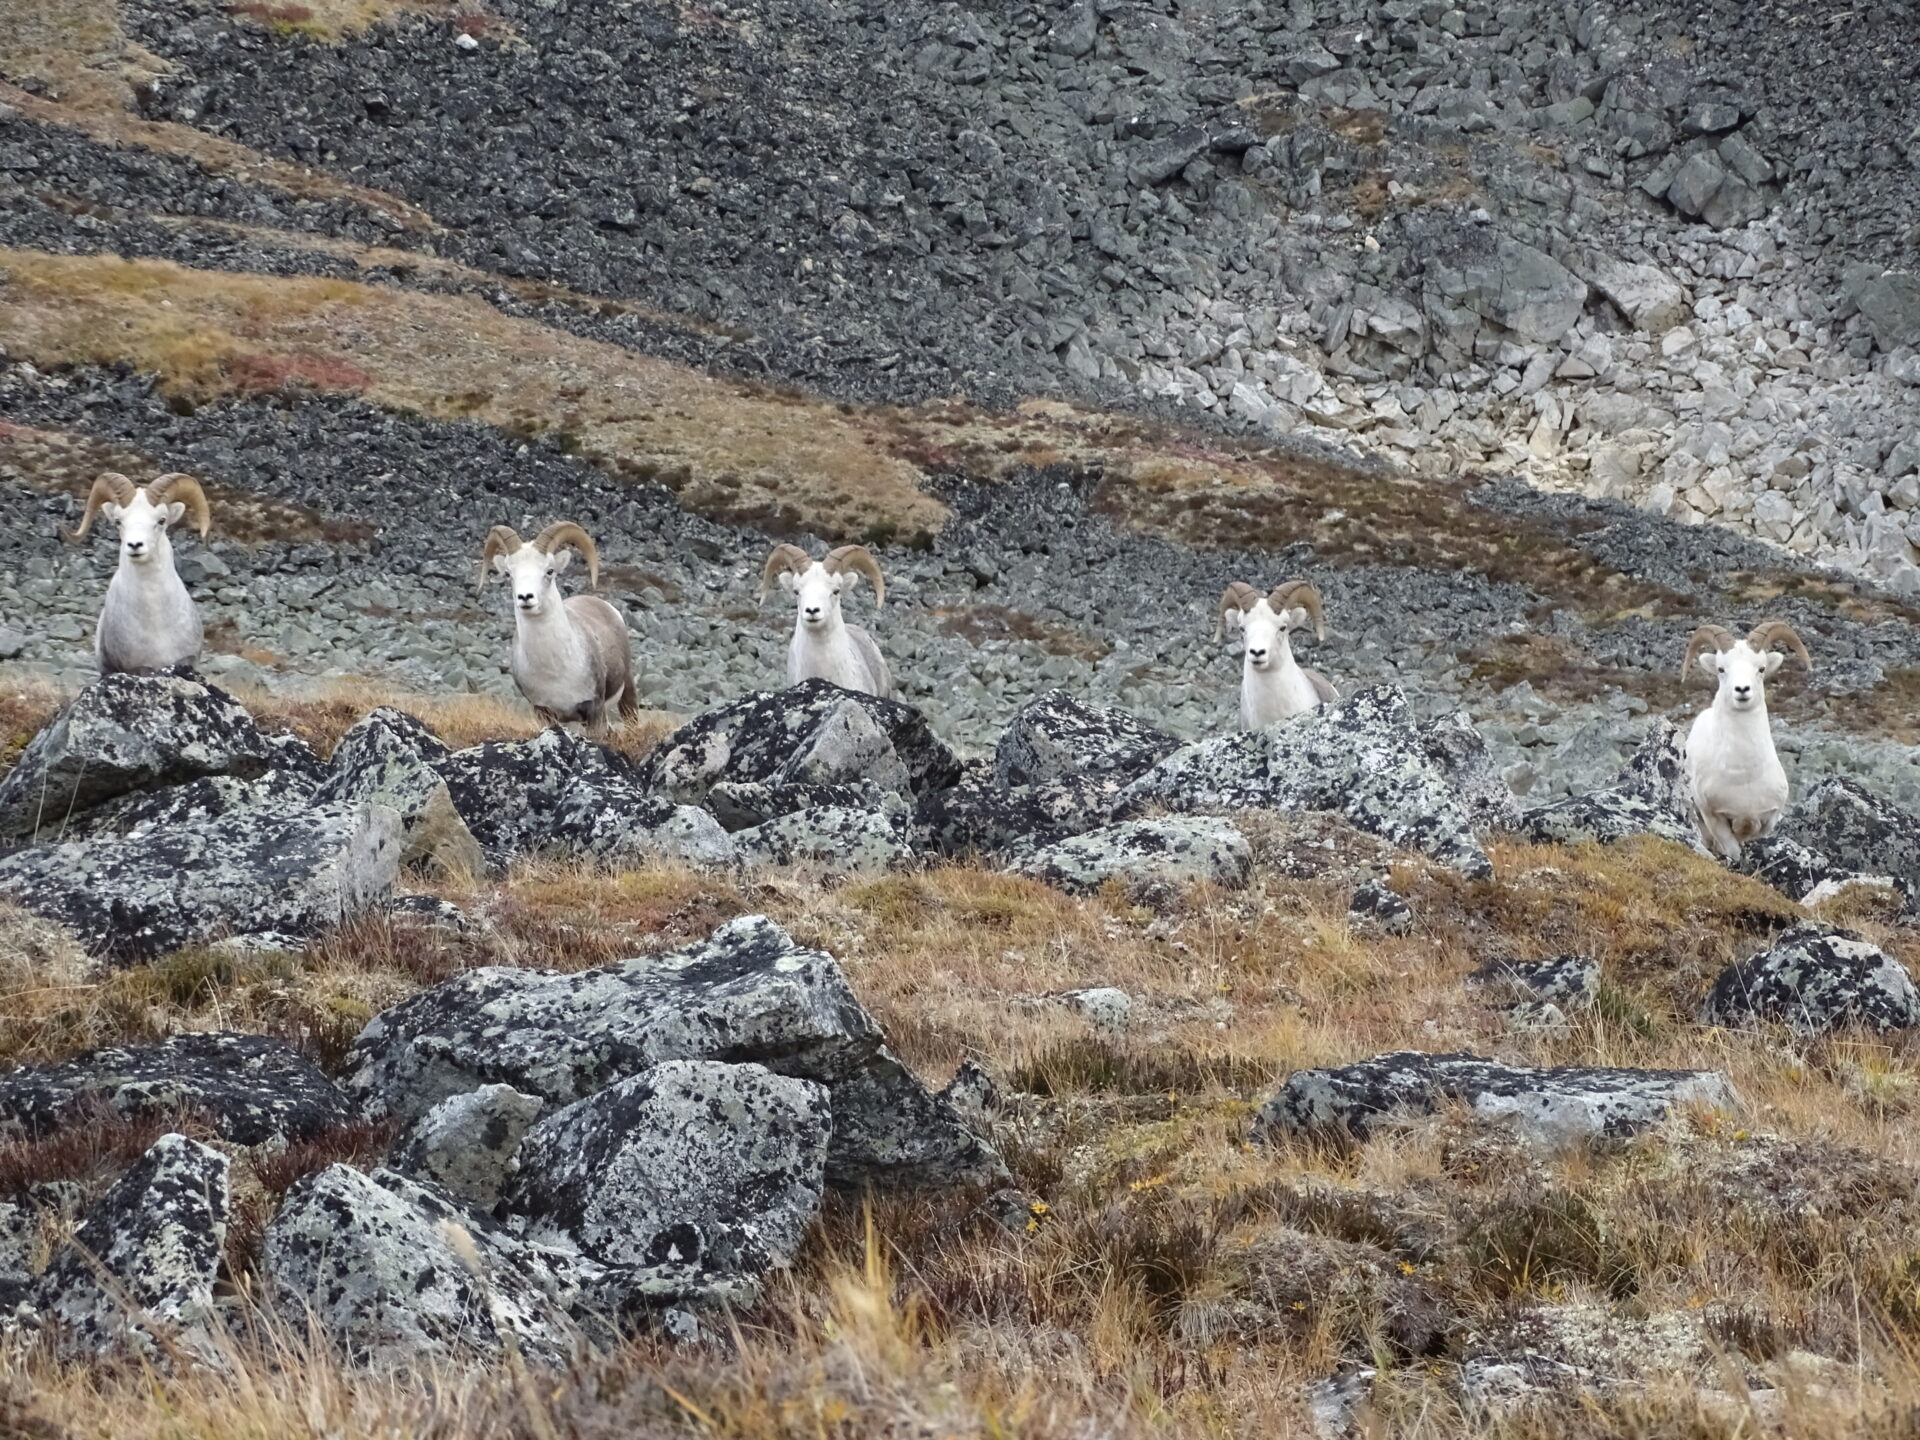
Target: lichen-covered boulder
(831, 841)
(466, 1144)
(204, 799)
(805, 734)
(1857, 830)
(1815, 979)
(127, 733)
(249, 1088)
(139, 1271)
(742, 804)
(558, 794)
(390, 758)
(282, 868)
(701, 1174)
(1362, 757)
(1808, 877)
(1172, 850)
(1454, 746)
(1649, 797)
(1375, 902)
(1570, 981)
(746, 994)
(980, 816)
(1556, 1107)
(1059, 737)
(377, 1260)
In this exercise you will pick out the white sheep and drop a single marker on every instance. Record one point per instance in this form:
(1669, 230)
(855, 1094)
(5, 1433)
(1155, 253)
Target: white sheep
(149, 621)
(1734, 776)
(572, 658)
(1273, 685)
(825, 646)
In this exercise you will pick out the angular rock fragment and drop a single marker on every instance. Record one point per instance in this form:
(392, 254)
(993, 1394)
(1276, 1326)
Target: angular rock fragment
(1815, 979)
(467, 1143)
(1558, 1106)
(282, 868)
(129, 733)
(1648, 797)
(830, 840)
(746, 994)
(1059, 737)
(140, 1268)
(1175, 850)
(390, 758)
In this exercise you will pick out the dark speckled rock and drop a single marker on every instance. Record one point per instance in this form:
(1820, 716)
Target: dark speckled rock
(746, 994)
(128, 733)
(980, 816)
(1649, 797)
(1173, 850)
(466, 1143)
(281, 867)
(1857, 830)
(1559, 1106)
(1815, 979)
(1060, 737)
(1571, 981)
(701, 1176)
(1363, 757)
(743, 804)
(141, 1267)
(250, 1088)
(829, 840)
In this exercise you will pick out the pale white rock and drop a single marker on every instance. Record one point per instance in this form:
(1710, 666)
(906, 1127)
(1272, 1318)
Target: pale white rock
(1677, 341)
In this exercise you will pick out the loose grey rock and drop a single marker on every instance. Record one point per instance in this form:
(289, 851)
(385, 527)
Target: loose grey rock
(830, 841)
(747, 994)
(1557, 1107)
(377, 1261)
(1815, 979)
(281, 868)
(1508, 282)
(1851, 827)
(1569, 981)
(1175, 850)
(1890, 303)
(1107, 1006)
(126, 733)
(702, 1173)
(1648, 797)
(250, 1088)
(1060, 737)
(466, 1143)
(140, 1268)
(1375, 903)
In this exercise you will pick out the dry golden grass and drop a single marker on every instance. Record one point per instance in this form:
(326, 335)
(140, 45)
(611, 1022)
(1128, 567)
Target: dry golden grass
(782, 464)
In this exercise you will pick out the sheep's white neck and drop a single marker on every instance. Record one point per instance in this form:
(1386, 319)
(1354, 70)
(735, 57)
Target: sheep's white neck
(1280, 690)
(1750, 725)
(150, 584)
(549, 630)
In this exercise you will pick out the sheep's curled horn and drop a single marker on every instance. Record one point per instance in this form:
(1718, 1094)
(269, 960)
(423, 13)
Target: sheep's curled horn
(783, 559)
(792, 559)
(1769, 633)
(1300, 593)
(505, 540)
(1237, 596)
(111, 487)
(1707, 637)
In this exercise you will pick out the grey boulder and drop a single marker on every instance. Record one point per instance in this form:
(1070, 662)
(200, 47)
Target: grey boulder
(128, 733)
(697, 1176)
(283, 868)
(980, 816)
(1059, 737)
(1556, 1107)
(1853, 828)
(249, 1088)
(140, 1268)
(466, 1144)
(747, 994)
(742, 804)
(1363, 757)
(830, 841)
(390, 758)
(1174, 850)
(1815, 979)
(1648, 797)
(1515, 286)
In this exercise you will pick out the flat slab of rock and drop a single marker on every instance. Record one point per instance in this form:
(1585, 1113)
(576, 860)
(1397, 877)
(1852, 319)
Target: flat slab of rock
(141, 1266)
(250, 1088)
(1813, 980)
(558, 794)
(702, 1173)
(1362, 757)
(1648, 797)
(1173, 850)
(280, 868)
(129, 733)
(747, 994)
(1060, 737)
(1558, 1106)
(806, 734)
(376, 1260)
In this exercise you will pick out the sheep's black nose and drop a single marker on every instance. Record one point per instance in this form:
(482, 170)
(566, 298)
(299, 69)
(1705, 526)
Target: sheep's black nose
(1258, 654)
(1741, 689)
(813, 609)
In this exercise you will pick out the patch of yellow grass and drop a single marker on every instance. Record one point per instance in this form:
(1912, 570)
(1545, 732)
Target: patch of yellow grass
(785, 465)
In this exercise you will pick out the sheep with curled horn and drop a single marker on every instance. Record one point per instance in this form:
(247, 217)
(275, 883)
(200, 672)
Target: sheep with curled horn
(149, 621)
(1273, 685)
(824, 645)
(572, 658)
(1734, 775)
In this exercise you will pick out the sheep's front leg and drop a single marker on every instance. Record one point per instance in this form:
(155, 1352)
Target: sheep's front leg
(1719, 836)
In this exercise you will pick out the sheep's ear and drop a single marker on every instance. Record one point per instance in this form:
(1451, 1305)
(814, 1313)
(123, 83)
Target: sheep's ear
(561, 561)
(175, 510)
(1297, 618)
(1771, 662)
(789, 581)
(500, 562)
(1233, 619)
(112, 511)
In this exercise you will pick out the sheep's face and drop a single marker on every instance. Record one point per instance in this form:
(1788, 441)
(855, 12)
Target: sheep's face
(533, 578)
(1743, 674)
(143, 527)
(818, 592)
(1264, 632)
